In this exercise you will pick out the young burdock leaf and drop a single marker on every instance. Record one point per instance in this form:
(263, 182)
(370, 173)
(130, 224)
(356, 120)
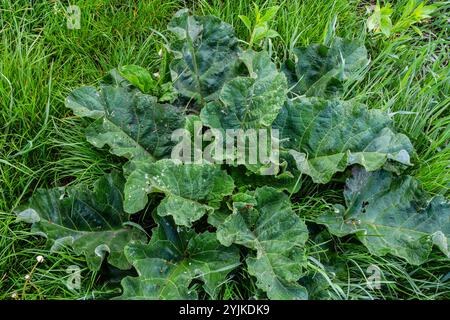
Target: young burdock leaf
(326, 136)
(321, 70)
(205, 55)
(167, 268)
(391, 215)
(263, 221)
(191, 190)
(93, 222)
(139, 77)
(133, 124)
(261, 29)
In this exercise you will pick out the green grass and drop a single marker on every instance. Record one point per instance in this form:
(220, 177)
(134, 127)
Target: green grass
(40, 62)
(41, 145)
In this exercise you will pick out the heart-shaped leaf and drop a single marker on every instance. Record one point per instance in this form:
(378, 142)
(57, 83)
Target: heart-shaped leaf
(263, 220)
(391, 215)
(326, 136)
(93, 222)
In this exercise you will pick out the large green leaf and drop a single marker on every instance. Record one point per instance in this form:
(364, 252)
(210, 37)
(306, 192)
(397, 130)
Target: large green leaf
(263, 220)
(325, 136)
(251, 102)
(391, 215)
(320, 70)
(206, 52)
(191, 190)
(93, 223)
(133, 124)
(172, 260)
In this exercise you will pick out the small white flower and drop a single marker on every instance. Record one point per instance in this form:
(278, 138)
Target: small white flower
(14, 295)
(27, 277)
(160, 52)
(40, 259)
(156, 74)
